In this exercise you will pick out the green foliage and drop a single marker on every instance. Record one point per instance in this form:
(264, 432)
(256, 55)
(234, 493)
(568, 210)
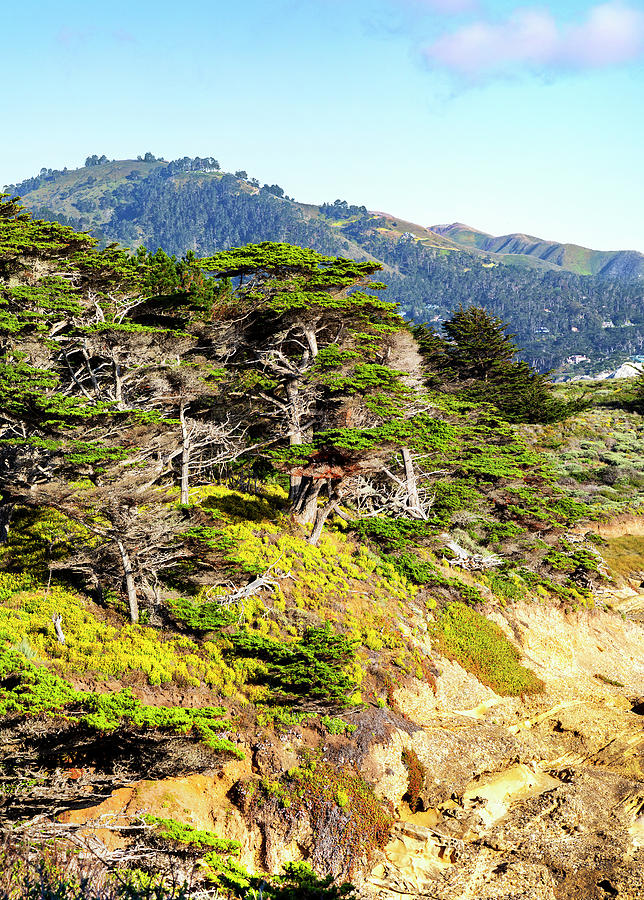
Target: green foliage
(38, 538)
(508, 587)
(312, 667)
(478, 343)
(92, 646)
(337, 726)
(480, 354)
(216, 854)
(417, 570)
(452, 497)
(202, 616)
(365, 378)
(577, 560)
(38, 873)
(481, 647)
(501, 531)
(299, 882)
(171, 830)
(425, 573)
(394, 534)
(332, 357)
(27, 689)
(281, 718)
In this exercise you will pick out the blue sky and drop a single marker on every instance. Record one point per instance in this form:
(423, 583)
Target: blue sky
(503, 115)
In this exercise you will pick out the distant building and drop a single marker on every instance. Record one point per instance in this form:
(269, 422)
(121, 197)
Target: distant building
(577, 358)
(607, 323)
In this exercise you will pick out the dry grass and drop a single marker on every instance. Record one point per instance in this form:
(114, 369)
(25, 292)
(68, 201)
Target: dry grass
(624, 555)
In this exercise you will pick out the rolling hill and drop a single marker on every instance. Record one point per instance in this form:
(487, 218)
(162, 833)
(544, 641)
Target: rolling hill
(573, 258)
(555, 308)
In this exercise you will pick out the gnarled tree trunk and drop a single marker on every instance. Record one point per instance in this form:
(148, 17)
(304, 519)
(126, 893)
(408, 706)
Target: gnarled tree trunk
(185, 456)
(321, 516)
(132, 600)
(305, 502)
(413, 500)
(296, 438)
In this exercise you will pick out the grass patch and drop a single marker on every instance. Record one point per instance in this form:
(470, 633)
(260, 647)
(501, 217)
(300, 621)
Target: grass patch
(481, 648)
(623, 555)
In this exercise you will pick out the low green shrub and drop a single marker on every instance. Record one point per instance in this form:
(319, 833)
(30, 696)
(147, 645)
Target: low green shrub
(481, 647)
(394, 534)
(311, 667)
(202, 616)
(27, 689)
(507, 587)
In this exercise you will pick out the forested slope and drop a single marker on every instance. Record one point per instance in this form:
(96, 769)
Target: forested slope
(191, 204)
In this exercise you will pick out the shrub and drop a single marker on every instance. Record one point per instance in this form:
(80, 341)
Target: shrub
(416, 777)
(93, 646)
(507, 587)
(202, 616)
(311, 667)
(299, 882)
(394, 534)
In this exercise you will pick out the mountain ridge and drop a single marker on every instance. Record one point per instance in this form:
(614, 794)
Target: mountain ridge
(566, 256)
(191, 204)
(572, 257)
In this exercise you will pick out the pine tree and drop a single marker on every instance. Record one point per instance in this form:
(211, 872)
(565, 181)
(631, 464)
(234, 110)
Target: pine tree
(478, 343)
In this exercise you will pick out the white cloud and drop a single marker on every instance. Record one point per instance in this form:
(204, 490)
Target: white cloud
(612, 33)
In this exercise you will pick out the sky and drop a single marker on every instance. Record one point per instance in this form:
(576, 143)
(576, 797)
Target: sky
(502, 115)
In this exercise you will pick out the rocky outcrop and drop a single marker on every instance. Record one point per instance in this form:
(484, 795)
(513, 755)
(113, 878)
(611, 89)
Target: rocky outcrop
(540, 797)
(547, 794)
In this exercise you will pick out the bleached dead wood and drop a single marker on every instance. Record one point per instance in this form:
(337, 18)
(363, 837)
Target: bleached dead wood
(466, 560)
(58, 627)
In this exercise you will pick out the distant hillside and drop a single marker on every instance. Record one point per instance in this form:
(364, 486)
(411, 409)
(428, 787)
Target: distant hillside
(190, 204)
(580, 260)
